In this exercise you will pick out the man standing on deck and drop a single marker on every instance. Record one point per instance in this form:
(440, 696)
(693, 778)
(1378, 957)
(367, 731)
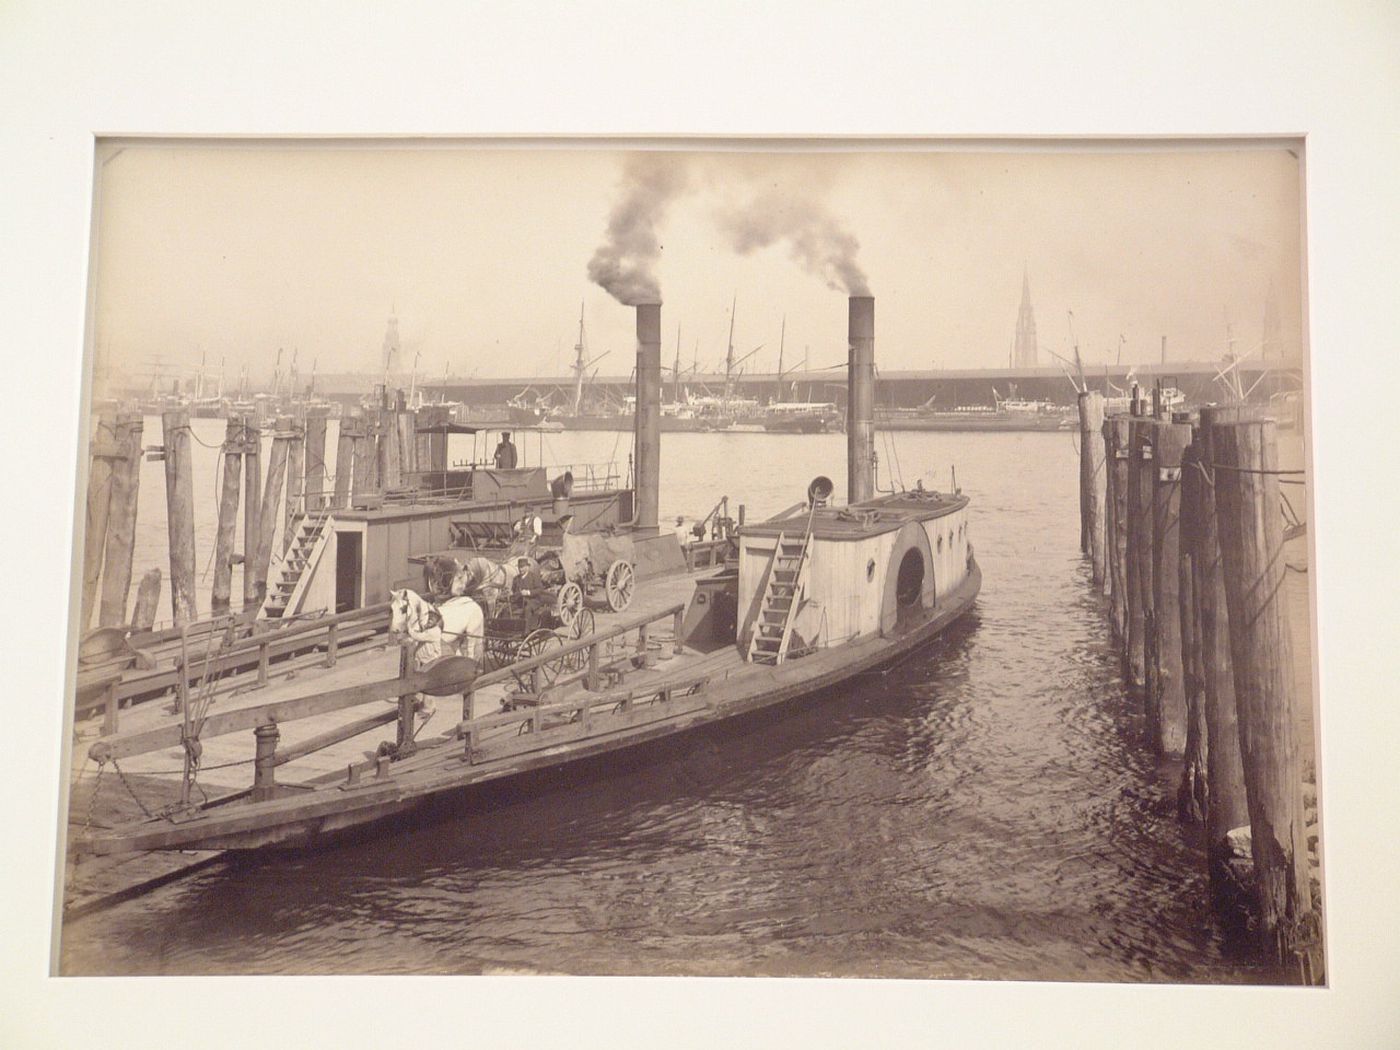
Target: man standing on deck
(505, 453)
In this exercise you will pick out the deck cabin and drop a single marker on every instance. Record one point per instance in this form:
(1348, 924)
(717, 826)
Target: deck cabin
(876, 568)
(352, 557)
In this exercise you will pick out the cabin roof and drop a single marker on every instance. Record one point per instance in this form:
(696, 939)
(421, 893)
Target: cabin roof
(862, 520)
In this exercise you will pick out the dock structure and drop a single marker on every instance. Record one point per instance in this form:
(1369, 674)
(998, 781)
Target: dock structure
(1207, 599)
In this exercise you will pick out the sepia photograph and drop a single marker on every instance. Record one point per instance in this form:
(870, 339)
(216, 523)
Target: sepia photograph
(662, 525)
(775, 559)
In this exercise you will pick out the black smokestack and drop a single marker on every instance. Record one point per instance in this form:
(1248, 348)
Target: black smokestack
(648, 419)
(860, 400)
(625, 263)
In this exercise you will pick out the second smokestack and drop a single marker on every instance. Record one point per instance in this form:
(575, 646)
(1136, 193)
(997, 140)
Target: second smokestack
(647, 427)
(860, 401)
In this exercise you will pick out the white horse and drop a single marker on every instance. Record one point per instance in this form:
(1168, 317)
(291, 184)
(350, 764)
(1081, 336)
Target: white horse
(456, 626)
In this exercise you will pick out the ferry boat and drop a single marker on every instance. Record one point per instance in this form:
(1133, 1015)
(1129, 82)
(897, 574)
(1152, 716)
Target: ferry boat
(802, 417)
(768, 614)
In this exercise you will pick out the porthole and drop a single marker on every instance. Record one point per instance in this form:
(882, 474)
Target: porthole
(870, 569)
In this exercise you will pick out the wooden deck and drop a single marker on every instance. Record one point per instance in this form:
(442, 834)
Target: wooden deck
(152, 780)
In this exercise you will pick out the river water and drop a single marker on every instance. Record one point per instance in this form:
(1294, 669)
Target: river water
(985, 810)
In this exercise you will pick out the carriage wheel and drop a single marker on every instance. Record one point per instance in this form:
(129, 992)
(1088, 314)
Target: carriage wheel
(583, 624)
(619, 584)
(582, 628)
(568, 604)
(538, 643)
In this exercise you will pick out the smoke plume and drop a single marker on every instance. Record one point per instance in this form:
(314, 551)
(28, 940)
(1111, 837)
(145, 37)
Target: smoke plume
(814, 238)
(624, 265)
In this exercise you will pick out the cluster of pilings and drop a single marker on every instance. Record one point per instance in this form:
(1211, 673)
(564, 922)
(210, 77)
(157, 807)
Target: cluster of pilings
(375, 450)
(1182, 519)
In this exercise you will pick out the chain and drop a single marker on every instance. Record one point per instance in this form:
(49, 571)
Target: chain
(129, 789)
(92, 800)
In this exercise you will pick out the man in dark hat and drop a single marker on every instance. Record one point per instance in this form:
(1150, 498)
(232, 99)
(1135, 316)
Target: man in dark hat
(505, 453)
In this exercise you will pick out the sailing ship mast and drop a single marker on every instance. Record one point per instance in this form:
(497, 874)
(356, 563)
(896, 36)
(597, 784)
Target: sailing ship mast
(580, 365)
(729, 355)
(676, 368)
(782, 339)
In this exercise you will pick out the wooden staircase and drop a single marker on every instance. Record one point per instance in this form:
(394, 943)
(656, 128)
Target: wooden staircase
(284, 598)
(787, 579)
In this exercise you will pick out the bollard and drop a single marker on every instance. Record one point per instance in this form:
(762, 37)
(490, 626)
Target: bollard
(1248, 517)
(264, 762)
(1169, 695)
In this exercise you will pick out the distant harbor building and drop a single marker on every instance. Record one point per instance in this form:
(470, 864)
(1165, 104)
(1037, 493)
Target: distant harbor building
(1024, 354)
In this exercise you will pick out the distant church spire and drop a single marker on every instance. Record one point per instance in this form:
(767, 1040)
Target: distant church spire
(391, 344)
(1024, 355)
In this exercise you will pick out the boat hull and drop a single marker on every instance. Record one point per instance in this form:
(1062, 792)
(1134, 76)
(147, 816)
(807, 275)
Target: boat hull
(310, 817)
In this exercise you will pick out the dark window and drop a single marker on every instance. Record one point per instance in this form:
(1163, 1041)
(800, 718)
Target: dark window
(909, 586)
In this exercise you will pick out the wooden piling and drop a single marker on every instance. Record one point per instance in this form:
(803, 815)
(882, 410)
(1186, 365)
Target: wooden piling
(1116, 529)
(271, 506)
(1091, 481)
(121, 521)
(252, 507)
(315, 439)
(1168, 678)
(1139, 550)
(1248, 516)
(179, 510)
(99, 500)
(367, 475)
(345, 465)
(407, 443)
(296, 482)
(388, 451)
(143, 616)
(1228, 807)
(219, 600)
(1193, 798)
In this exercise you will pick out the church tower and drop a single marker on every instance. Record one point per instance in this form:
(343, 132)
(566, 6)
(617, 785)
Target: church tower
(390, 352)
(1024, 355)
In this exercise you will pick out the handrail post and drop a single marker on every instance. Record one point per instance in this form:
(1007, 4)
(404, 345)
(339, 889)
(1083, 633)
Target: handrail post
(591, 680)
(643, 648)
(332, 643)
(263, 659)
(677, 647)
(407, 702)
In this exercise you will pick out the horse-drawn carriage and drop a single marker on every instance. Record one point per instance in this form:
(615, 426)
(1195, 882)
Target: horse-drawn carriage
(537, 599)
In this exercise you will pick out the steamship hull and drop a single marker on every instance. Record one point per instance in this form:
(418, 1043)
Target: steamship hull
(443, 771)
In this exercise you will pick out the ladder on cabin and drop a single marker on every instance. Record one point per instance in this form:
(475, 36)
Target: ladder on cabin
(298, 563)
(787, 578)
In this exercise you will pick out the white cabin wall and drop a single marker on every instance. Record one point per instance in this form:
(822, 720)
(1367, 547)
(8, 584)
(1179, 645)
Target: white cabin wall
(949, 558)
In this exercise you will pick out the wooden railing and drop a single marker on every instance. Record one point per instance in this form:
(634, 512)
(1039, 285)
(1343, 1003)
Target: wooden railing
(264, 719)
(261, 650)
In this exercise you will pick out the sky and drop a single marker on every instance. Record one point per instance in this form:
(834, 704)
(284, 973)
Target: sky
(227, 252)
